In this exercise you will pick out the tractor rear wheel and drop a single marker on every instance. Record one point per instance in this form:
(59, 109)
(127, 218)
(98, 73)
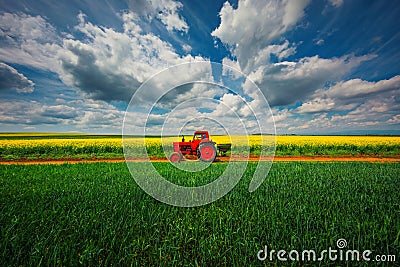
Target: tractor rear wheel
(207, 152)
(175, 157)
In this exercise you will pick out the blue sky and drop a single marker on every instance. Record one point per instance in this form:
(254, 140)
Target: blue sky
(324, 66)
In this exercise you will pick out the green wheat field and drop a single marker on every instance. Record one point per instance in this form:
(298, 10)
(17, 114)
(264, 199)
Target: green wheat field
(96, 215)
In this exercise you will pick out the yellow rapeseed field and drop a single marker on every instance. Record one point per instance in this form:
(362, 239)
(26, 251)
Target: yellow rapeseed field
(339, 140)
(76, 142)
(115, 142)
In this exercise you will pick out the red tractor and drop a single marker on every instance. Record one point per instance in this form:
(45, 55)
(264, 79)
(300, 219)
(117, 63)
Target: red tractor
(201, 146)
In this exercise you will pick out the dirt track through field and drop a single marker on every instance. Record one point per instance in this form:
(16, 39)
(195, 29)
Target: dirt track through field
(219, 159)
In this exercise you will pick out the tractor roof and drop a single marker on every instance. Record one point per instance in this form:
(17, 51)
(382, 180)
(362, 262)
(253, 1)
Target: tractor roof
(200, 132)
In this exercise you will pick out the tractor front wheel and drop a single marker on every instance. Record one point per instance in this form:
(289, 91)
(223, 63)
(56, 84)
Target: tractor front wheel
(175, 157)
(207, 152)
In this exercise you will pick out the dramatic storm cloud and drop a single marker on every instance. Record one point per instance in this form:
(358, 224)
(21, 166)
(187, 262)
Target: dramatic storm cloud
(10, 78)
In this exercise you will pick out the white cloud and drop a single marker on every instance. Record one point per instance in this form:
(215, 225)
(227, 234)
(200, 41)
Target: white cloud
(349, 105)
(346, 95)
(255, 24)
(360, 88)
(378, 105)
(280, 115)
(374, 111)
(111, 65)
(294, 11)
(88, 115)
(167, 11)
(105, 64)
(186, 48)
(25, 27)
(263, 57)
(230, 102)
(231, 68)
(394, 120)
(169, 15)
(316, 105)
(253, 31)
(29, 41)
(228, 111)
(336, 3)
(288, 82)
(31, 113)
(10, 78)
(319, 41)
(203, 90)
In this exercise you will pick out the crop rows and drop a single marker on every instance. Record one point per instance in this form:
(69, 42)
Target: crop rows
(95, 214)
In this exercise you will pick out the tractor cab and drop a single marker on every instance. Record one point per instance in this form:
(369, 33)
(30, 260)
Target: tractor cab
(198, 138)
(200, 135)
